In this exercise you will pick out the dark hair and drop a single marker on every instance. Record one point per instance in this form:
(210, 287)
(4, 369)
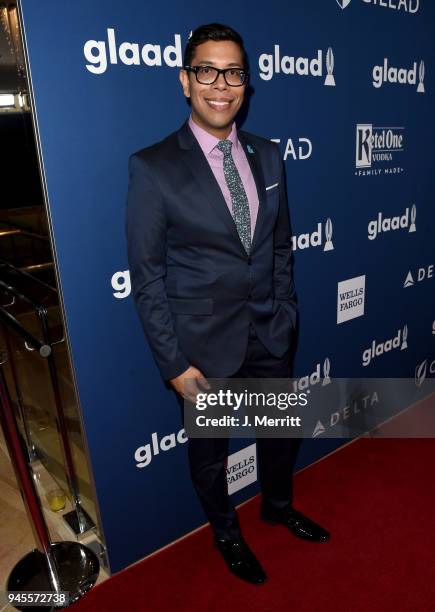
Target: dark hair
(213, 31)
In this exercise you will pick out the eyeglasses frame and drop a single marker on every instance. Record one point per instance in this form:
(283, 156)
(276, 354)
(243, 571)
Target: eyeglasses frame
(219, 71)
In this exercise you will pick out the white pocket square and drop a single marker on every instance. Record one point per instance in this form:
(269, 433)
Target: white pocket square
(272, 186)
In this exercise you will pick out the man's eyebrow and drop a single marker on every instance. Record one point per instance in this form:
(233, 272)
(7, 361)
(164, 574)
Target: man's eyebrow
(211, 63)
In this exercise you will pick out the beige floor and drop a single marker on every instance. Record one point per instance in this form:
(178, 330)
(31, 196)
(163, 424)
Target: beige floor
(16, 536)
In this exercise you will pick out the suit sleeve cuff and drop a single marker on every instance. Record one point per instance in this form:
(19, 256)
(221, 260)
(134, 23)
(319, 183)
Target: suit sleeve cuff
(174, 369)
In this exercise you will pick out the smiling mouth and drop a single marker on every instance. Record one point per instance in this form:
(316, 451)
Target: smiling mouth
(219, 105)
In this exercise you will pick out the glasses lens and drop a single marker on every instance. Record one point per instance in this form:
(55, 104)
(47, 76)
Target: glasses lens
(206, 74)
(235, 77)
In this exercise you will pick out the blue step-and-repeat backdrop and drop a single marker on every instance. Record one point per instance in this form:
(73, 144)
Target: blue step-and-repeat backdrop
(347, 89)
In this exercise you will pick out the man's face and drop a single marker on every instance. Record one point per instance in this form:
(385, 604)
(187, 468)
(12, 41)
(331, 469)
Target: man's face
(214, 106)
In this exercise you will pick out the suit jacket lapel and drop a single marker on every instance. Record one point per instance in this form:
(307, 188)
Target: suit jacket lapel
(200, 168)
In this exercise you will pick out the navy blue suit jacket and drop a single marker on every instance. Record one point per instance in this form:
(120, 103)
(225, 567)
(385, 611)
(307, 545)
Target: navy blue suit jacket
(194, 286)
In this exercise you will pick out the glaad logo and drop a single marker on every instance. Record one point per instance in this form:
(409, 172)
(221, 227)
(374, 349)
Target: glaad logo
(144, 454)
(409, 6)
(121, 284)
(271, 64)
(389, 74)
(315, 239)
(386, 224)
(304, 382)
(422, 370)
(351, 409)
(242, 468)
(130, 54)
(351, 298)
(375, 350)
(377, 145)
(421, 275)
(303, 151)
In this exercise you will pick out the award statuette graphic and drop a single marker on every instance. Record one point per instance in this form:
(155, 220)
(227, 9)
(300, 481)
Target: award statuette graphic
(412, 227)
(330, 68)
(404, 337)
(328, 233)
(326, 369)
(420, 373)
(343, 3)
(420, 88)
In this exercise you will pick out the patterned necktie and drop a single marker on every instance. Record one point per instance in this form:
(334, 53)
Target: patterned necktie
(239, 199)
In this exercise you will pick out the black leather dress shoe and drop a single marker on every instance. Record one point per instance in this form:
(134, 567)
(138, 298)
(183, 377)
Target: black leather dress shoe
(300, 525)
(241, 560)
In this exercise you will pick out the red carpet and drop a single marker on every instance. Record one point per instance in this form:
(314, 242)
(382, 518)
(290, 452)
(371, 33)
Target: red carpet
(377, 497)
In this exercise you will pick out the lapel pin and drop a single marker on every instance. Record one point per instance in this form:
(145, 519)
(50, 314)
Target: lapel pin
(250, 149)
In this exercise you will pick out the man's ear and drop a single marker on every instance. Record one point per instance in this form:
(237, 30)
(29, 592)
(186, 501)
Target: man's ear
(185, 82)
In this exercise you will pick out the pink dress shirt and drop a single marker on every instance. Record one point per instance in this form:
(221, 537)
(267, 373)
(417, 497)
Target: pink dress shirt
(215, 158)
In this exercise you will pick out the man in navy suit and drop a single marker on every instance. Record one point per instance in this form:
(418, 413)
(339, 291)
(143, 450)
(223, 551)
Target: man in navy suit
(209, 249)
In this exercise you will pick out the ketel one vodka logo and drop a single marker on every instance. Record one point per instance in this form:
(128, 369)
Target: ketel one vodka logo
(377, 145)
(386, 224)
(390, 74)
(314, 239)
(275, 63)
(378, 349)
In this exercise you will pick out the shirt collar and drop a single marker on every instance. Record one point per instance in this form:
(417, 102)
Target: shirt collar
(208, 142)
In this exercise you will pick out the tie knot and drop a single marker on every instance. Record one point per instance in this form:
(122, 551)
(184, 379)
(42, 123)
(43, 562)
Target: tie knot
(225, 146)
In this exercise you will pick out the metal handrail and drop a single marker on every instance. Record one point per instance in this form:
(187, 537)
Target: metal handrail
(40, 309)
(81, 519)
(21, 296)
(43, 349)
(23, 230)
(4, 262)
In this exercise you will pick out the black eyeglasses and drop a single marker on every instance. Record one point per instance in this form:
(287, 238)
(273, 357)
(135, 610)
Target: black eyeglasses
(207, 75)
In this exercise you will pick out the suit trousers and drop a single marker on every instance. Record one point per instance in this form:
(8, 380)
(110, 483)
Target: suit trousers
(276, 456)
